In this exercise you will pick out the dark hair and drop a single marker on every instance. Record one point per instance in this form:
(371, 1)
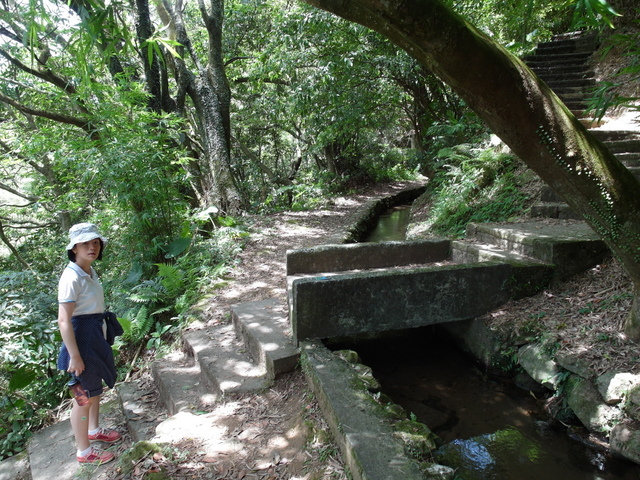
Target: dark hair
(72, 256)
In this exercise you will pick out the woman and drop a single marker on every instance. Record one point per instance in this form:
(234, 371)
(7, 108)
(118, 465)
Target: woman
(86, 353)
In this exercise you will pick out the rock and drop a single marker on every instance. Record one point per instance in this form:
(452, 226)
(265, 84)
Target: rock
(625, 441)
(365, 374)
(503, 454)
(633, 402)
(574, 364)
(416, 437)
(539, 365)
(439, 472)
(524, 381)
(349, 356)
(615, 386)
(586, 402)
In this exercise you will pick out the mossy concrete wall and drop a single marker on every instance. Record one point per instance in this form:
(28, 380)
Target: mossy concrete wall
(369, 302)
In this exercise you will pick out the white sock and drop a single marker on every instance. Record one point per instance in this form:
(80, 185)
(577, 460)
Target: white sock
(93, 432)
(84, 452)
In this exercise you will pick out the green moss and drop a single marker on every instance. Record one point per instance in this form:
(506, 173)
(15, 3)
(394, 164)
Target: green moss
(418, 440)
(137, 452)
(156, 476)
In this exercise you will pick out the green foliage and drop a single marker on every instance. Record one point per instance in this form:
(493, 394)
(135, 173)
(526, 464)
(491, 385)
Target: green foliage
(473, 186)
(519, 26)
(608, 94)
(592, 14)
(27, 356)
(154, 307)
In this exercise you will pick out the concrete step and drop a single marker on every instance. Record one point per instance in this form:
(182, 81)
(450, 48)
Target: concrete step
(556, 210)
(223, 362)
(615, 135)
(553, 69)
(15, 468)
(576, 44)
(581, 84)
(552, 74)
(629, 159)
(135, 397)
(570, 245)
(463, 251)
(623, 145)
(263, 326)
(558, 59)
(179, 383)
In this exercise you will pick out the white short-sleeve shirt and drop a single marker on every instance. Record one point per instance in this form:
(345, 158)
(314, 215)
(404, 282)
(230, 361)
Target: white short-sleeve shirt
(85, 290)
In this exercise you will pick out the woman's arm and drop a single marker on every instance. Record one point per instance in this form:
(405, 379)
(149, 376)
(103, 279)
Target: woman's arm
(65, 312)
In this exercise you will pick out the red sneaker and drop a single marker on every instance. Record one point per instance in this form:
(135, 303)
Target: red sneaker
(108, 436)
(96, 457)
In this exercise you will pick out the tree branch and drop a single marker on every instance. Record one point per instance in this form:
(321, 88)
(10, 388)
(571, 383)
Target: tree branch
(58, 117)
(13, 249)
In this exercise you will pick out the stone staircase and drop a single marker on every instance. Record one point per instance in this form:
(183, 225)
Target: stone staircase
(564, 65)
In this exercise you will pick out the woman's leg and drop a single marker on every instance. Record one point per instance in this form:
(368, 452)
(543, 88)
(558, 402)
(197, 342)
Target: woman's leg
(94, 413)
(80, 422)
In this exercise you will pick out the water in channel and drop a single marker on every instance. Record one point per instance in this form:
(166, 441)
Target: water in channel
(490, 429)
(392, 225)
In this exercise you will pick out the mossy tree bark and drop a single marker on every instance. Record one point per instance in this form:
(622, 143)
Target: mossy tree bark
(522, 111)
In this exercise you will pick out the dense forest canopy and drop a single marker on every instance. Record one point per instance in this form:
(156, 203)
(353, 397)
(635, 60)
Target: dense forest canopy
(164, 122)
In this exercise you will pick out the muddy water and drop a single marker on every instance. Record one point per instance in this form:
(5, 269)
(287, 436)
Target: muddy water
(500, 432)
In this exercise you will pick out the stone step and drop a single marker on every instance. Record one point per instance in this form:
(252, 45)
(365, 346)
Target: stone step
(567, 76)
(572, 85)
(463, 251)
(581, 44)
(571, 245)
(15, 468)
(558, 59)
(223, 362)
(552, 69)
(559, 210)
(135, 396)
(239, 357)
(630, 159)
(179, 383)
(615, 135)
(623, 145)
(264, 328)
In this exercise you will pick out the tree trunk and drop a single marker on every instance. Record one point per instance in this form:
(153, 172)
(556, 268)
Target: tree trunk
(211, 96)
(522, 111)
(144, 30)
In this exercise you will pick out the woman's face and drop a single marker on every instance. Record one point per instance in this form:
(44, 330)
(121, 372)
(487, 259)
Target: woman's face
(87, 251)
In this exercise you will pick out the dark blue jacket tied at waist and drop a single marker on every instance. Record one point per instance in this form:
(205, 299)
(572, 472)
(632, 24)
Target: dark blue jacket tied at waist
(94, 348)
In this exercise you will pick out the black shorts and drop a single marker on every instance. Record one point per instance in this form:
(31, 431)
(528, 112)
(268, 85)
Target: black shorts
(91, 383)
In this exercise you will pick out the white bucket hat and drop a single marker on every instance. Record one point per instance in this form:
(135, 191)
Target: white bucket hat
(83, 232)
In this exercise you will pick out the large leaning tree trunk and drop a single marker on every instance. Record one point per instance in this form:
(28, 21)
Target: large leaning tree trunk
(523, 112)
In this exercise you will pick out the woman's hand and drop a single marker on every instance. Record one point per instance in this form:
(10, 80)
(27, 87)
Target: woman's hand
(76, 365)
